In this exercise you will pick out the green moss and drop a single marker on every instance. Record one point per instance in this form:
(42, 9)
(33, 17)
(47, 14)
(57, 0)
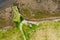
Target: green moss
(11, 34)
(29, 31)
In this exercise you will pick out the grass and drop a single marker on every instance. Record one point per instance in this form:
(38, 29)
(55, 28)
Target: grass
(49, 30)
(11, 34)
(30, 32)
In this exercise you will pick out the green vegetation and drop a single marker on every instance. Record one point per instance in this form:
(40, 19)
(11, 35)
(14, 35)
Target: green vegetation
(30, 32)
(44, 31)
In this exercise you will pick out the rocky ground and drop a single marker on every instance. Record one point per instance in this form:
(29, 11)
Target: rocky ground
(33, 10)
(39, 9)
(6, 17)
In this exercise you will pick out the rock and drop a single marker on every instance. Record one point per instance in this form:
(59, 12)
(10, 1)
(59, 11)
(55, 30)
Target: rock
(36, 10)
(6, 17)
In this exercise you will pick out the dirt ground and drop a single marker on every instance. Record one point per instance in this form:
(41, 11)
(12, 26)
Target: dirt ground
(47, 32)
